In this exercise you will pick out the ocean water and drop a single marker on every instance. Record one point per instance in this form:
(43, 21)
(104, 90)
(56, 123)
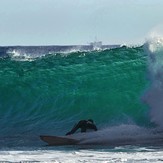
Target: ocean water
(45, 92)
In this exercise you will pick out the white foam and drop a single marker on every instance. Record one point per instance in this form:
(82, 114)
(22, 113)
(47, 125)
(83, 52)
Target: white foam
(120, 135)
(154, 95)
(20, 55)
(69, 156)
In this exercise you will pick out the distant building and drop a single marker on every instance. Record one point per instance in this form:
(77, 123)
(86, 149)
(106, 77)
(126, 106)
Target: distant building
(96, 45)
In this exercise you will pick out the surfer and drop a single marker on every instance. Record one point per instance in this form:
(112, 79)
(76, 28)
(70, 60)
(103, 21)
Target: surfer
(83, 125)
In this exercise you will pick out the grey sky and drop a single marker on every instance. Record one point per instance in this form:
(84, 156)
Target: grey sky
(60, 22)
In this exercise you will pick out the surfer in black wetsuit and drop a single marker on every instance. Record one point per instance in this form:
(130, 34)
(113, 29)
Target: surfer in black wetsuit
(83, 125)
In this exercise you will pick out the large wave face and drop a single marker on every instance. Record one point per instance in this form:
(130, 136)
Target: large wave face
(49, 93)
(53, 92)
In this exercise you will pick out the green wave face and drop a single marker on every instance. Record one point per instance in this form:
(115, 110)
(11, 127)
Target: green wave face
(55, 91)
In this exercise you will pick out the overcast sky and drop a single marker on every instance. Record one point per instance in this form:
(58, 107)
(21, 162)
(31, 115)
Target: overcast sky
(67, 22)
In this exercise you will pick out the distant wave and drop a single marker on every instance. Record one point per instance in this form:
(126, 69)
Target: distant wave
(24, 53)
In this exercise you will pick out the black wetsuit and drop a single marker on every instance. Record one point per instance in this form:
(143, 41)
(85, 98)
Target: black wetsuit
(84, 125)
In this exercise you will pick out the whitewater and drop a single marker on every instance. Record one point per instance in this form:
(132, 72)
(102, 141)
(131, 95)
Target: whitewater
(46, 90)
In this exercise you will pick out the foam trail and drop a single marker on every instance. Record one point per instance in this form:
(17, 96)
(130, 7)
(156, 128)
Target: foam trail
(119, 135)
(154, 95)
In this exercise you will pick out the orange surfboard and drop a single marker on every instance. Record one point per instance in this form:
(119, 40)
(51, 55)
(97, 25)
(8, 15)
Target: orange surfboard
(58, 140)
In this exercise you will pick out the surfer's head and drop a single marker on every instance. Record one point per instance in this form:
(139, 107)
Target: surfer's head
(90, 120)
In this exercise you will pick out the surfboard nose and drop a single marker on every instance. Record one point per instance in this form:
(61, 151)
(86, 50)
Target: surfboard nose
(58, 140)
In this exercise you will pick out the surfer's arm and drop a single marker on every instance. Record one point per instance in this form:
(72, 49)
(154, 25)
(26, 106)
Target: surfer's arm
(76, 126)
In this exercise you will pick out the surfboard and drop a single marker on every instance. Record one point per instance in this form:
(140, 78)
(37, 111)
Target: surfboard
(58, 140)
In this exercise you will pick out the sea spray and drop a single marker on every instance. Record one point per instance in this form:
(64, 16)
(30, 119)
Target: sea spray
(154, 95)
(120, 135)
